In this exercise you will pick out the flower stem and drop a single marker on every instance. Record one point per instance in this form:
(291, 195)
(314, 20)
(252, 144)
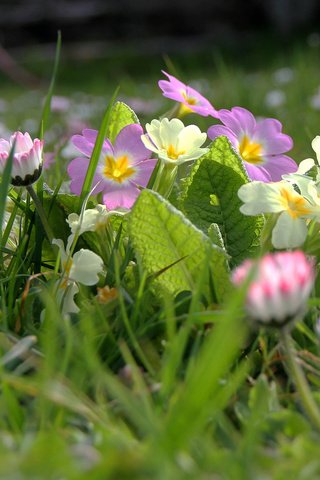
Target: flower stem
(41, 213)
(302, 386)
(164, 181)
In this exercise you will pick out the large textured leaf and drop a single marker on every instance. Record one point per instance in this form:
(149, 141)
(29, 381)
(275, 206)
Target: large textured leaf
(209, 195)
(161, 236)
(121, 116)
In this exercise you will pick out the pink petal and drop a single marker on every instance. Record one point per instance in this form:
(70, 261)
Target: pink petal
(4, 145)
(280, 165)
(239, 120)
(268, 132)
(218, 130)
(77, 170)
(83, 145)
(124, 198)
(257, 173)
(128, 142)
(173, 83)
(144, 171)
(91, 136)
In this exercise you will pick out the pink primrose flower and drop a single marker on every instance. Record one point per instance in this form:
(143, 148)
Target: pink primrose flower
(261, 144)
(27, 159)
(191, 100)
(122, 168)
(280, 287)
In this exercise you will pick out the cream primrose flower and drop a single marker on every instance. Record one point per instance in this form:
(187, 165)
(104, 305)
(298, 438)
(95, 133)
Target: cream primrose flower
(173, 142)
(90, 220)
(83, 267)
(290, 230)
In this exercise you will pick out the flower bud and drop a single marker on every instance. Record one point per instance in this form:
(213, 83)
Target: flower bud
(280, 286)
(27, 158)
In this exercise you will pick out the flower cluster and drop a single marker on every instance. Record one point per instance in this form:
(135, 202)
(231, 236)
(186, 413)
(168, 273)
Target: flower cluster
(295, 200)
(150, 157)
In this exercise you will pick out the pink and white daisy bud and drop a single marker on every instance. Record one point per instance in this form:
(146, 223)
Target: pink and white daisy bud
(280, 287)
(27, 159)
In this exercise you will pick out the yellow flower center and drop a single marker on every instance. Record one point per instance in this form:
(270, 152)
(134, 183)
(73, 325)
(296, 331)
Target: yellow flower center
(118, 169)
(189, 100)
(250, 151)
(173, 153)
(293, 203)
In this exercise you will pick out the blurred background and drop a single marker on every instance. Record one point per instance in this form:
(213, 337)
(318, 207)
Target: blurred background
(260, 54)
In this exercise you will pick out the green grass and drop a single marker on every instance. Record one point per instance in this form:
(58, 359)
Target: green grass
(148, 385)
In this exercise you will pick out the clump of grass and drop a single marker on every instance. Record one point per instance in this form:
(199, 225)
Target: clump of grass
(142, 383)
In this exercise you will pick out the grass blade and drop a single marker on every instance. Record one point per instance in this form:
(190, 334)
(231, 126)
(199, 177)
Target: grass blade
(47, 104)
(97, 150)
(4, 188)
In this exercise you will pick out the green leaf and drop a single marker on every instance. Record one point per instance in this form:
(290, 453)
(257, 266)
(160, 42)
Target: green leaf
(161, 236)
(121, 116)
(209, 195)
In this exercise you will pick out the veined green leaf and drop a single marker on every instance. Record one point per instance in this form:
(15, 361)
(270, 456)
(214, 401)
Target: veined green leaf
(209, 195)
(161, 235)
(121, 116)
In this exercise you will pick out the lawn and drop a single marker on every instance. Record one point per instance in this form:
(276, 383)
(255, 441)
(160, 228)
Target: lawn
(128, 347)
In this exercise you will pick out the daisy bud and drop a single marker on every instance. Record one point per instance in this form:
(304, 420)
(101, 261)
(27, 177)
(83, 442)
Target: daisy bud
(27, 158)
(280, 287)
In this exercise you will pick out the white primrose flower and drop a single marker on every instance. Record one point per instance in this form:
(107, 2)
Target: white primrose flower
(294, 209)
(83, 267)
(173, 142)
(90, 220)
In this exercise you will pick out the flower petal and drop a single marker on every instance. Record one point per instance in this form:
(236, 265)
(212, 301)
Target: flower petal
(260, 197)
(218, 130)
(289, 232)
(144, 171)
(279, 165)
(124, 198)
(86, 266)
(77, 170)
(239, 120)
(128, 142)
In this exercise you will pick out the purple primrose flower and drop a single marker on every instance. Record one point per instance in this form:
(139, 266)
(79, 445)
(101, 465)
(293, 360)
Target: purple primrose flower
(122, 167)
(190, 99)
(261, 144)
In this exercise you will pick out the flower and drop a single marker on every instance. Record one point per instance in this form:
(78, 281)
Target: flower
(190, 99)
(279, 288)
(260, 144)
(27, 158)
(122, 167)
(84, 267)
(290, 230)
(173, 142)
(91, 220)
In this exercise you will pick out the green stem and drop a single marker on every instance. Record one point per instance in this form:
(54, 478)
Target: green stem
(41, 213)
(307, 400)
(164, 181)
